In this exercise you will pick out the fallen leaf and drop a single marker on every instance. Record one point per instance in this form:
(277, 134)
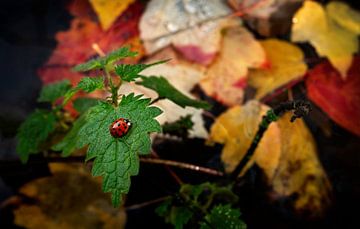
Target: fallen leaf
(182, 75)
(267, 17)
(236, 129)
(286, 153)
(64, 201)
(75, 45)
(311, 23)
(345, 16)
(339, 98)
(285, 64)
(193, 27)
(108, 11)
(299, 174)
(226, 78)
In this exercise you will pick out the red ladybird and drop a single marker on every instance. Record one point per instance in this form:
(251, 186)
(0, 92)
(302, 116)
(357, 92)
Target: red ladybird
(120, 127)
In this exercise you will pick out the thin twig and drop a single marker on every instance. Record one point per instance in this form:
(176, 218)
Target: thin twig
(182, 165)
(172, 173)
(145, 204)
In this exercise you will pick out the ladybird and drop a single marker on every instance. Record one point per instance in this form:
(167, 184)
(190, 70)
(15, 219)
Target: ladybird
(120, 127)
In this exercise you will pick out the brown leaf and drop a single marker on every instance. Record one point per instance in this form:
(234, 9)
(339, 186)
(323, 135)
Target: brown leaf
(70, 198)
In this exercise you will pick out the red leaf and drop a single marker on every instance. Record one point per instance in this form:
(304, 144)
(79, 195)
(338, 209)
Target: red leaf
(339, 98)
(75, 45)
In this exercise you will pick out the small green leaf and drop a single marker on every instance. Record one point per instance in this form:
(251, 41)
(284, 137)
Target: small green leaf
(90, 65)
(68, 144)
(164, 208)
(86, 84)
(116, 159)
(179, 128)
(180, 216)
(102, 62)
(34, 131)
(83, 104)
(51, 92)
(130, 72)
(166, 90)
(223, 217)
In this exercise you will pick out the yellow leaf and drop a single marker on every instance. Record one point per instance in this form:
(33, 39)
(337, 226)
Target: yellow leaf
(226, 78)
(311, 23)
(299, 173)
(109, 10)
(285, 65)
(236, 129)
(71, 198)
(286, 153)
(343, 15)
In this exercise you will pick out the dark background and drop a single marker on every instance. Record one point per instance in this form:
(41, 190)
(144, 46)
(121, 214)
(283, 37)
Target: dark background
(27, 30)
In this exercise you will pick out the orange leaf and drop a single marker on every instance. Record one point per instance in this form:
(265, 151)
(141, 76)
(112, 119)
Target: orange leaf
(226, 78)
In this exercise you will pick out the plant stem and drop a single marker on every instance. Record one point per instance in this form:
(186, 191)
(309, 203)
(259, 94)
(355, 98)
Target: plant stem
(147, 203)
(300, 107)
(156, 100)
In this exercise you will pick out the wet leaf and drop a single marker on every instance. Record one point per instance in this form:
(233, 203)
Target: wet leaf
(339, 98)
(192, 27)
(313, 24)
(108, 11)
(285, 64)
(63, 200)
(226, 78)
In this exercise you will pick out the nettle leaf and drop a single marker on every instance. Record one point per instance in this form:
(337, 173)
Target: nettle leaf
(34, 131)
(51, 92)
(83, 104)
(129, 72)
(102, 62)
(86, 84)
(69, 143)
(165, 90)
(180, 127)
(223, 216)
(116, 159)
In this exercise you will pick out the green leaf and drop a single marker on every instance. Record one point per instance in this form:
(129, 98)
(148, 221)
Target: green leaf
(103, 62)
(223, 217)
(86, 84)
(165, 90)
(164, 208)
(116, 159)
(180, 216)
(83, 104)
(130, 72)
(69, 143)
(180, 127)
(34, 131)
(51, 92)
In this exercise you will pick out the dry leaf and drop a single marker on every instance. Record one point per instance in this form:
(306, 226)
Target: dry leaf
(182, 75)
(227, 76)
(286, 153)
(108, 11)
(285, 64)
(64, 201)
(236, 129)
(340, 99)
(311, 23)
(193, 27)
